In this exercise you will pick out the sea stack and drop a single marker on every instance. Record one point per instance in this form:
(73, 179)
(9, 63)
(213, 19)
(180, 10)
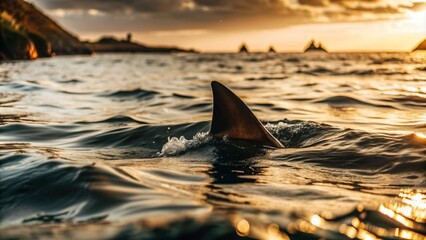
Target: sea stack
(314, 47)
(243, 48)
(420, 46)
(271, 50)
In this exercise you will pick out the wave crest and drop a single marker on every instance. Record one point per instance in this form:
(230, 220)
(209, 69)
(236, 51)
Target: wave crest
(175, 146)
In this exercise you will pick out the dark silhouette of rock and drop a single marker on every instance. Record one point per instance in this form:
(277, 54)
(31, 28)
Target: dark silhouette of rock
(22, 20)
(44, 47)
(15, 44)
(312, 46)
(112, 44)
(108, 39)
(129, 37)
(420, 46)
(271, 50)
(243, 48)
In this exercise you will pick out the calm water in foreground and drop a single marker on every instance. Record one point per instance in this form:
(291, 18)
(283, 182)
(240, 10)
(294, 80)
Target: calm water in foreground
(116, 147)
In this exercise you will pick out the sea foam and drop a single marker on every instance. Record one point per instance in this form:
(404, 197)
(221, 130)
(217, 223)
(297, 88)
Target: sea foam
(175, 146)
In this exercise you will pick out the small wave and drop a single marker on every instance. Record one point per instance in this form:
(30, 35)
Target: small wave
(203, 59)
(38, 133)
(366, 72)
(412, 101)
(13, 118)
(119, 119)
(24, 87)
(351, 149)
(346, 100)
(182, 96)
(387, 60)
(176, 146)
(70, 81)
(7, 99)
(421, 68)
(342, 100)
(38, 191)
(200, 107)
(136, 93)
(150, 139)
(339, 72)
(309, 84)
(317, 71)
(266, 78)
(296, 60)
(296, 134)
(379, 71)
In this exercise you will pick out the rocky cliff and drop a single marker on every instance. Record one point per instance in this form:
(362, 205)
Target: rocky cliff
(26, 33)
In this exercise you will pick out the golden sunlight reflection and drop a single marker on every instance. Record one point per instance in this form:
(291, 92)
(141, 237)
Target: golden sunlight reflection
(409, 209)
(413, 205)
(304, 226)
(407, 234)
(365, 235)
(246, 227)
(415, 199)
(355, 222)
(420, 137)
(348, 230)
(274, 233)
(316, 220)
(392, 214)
(243, 227)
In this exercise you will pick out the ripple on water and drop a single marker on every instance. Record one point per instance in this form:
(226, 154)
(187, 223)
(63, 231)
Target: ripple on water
(169, 179)
(350, 101)
(131, 94)
(81, 193)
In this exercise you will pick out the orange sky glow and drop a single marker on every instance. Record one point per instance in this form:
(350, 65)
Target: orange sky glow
(367, 25)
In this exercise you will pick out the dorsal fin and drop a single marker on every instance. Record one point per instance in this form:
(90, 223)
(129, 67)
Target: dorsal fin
(232, 118)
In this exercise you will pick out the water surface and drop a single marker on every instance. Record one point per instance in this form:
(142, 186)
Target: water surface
(116, 146)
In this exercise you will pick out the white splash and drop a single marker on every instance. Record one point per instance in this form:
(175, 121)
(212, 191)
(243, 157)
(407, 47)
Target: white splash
(175, 145)
(276, 128)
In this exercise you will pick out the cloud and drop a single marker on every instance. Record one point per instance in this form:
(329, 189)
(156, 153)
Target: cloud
(234, 6)
(149, 6)
(166, 15)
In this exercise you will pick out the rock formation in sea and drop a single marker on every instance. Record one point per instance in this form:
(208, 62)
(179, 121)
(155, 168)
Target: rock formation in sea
(315, 47)
(420, 46)
(26, 33)
(243, 48)
(112, 44)
(271, 50)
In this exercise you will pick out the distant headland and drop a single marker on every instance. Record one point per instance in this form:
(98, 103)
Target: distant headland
(112, 44)
(26, 33)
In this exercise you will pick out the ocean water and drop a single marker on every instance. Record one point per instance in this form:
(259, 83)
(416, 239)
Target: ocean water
(116, 146)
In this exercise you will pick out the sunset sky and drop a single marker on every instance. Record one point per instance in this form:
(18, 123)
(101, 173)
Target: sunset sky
(222, 25)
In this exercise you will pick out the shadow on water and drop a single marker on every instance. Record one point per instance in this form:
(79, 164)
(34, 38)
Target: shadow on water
(233, 163)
